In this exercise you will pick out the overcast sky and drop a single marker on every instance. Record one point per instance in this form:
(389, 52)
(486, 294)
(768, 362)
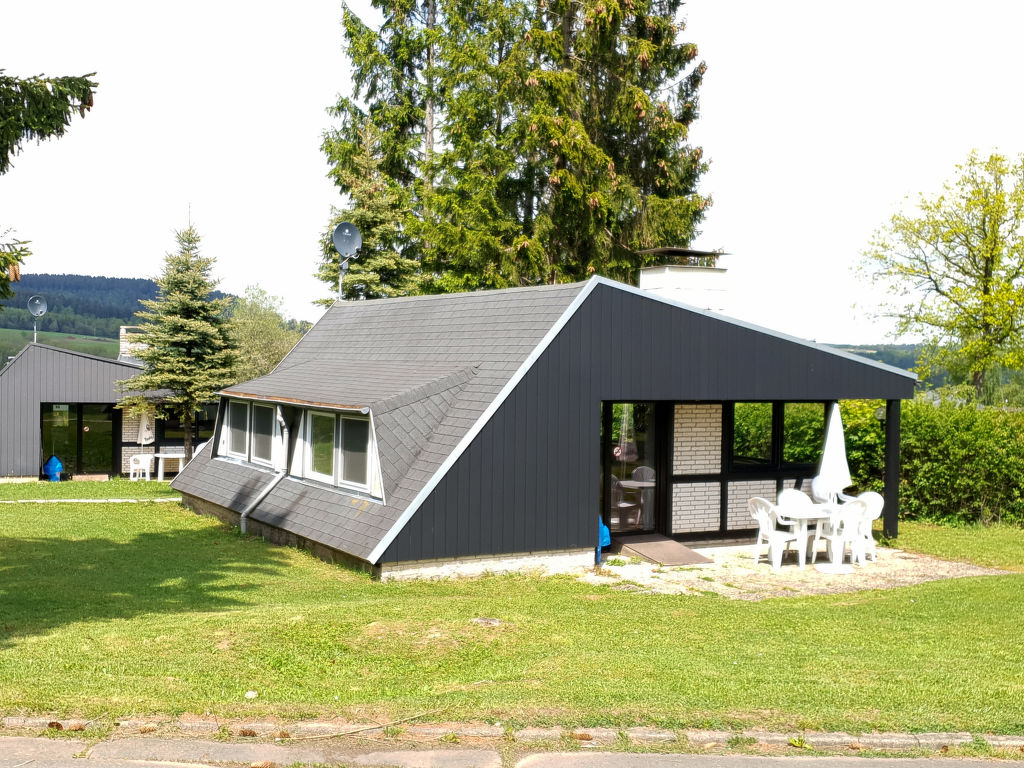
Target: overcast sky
(818, 119)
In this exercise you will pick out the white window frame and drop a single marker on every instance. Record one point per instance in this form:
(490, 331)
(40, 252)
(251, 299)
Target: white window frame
(307, 464)
(228, 426)
(251, 434)
(369, 486)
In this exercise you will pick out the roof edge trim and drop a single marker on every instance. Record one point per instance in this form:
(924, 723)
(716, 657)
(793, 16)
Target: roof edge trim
(481, 422)
(75, 353)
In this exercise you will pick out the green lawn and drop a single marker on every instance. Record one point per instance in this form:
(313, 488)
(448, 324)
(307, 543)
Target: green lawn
(117, 488)
(139, 609)
(995, 546)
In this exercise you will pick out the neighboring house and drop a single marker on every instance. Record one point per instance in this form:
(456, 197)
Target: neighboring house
(407, 433)
(61, 403)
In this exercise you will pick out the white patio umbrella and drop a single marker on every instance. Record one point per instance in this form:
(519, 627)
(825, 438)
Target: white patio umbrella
(834, 471)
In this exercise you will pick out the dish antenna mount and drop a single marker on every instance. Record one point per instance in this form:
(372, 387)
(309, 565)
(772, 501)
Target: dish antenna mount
(37, 306)
(346, 240)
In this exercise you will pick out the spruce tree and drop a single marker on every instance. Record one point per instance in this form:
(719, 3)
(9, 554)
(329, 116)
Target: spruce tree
(189, 352)
(561, 134)
(377, 207)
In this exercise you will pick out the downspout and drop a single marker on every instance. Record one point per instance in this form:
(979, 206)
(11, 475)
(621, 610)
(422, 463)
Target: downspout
(279, 475)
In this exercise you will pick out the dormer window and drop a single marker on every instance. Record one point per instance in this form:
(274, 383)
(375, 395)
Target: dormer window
(337, 448)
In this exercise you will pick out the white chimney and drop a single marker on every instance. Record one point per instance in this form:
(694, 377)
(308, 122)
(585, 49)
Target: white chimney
(697, 278)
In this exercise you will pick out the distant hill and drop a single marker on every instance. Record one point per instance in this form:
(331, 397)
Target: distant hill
(79, 304)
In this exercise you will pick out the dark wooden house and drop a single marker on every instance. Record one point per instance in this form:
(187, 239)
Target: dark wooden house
(413, 432)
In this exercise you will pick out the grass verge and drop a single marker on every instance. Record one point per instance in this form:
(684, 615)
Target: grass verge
(116, 488)
(139, 609)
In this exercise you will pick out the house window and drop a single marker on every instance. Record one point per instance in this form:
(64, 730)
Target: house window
(238, 429)
(321, 446)
(803, 432)
(337, 449)
(776, 435)
(752, 434)
(262, 433)
(355, 439)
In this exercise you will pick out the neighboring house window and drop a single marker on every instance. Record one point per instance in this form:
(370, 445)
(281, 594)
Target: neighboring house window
(170, 430)
(337, 449)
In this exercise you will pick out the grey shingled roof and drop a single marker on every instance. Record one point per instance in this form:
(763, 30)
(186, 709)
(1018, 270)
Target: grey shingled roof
(427, 367)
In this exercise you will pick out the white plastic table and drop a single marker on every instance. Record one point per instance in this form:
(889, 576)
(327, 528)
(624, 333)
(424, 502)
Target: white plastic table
(162, 457)
(802, 516)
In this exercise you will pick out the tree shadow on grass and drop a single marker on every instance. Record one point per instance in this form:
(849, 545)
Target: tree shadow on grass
(46, 583)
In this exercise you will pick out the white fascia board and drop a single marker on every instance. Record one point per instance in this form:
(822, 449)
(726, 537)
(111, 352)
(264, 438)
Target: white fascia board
(481, 422)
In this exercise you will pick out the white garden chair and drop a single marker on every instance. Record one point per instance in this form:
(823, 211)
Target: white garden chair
(140, 464)
(874, 504)
(768, 520)
(845, 529)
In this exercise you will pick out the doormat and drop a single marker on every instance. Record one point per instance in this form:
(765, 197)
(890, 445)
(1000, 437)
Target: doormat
(655, 548)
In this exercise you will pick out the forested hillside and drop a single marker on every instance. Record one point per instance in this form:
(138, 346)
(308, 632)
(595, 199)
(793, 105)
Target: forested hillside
(79, 304)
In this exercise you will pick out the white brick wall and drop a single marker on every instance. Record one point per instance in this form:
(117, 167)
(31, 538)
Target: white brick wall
(695, 507)
(129, 440)
(697, 442)
(742, 491)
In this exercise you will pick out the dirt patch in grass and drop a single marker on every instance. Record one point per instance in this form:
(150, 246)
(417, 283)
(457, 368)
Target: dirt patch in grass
(733, 574)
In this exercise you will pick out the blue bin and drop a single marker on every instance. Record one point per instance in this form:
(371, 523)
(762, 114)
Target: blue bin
(52, 469)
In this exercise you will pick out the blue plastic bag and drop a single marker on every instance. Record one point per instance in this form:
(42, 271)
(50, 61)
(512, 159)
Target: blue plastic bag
(52, 469)
(604, 535)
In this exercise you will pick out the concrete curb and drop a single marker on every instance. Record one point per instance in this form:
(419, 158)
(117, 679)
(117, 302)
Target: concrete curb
(176, 741)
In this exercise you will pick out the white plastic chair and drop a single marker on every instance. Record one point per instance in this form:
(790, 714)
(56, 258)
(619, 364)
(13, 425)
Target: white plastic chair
(845, 528)
(139, 464)
(767, 516)
(874, 504)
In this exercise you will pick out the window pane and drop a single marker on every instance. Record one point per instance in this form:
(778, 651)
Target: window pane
(321, 436)
(238, 417)
(262, 432)
(355, 438)
(803, 432)
(752, 433)
(60, 434)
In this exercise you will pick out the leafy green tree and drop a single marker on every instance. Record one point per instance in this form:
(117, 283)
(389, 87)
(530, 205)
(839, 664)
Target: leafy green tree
(33, 108)
(561, 135)
(956, 269)
(189, 351)
(261, 333)
(377, 207)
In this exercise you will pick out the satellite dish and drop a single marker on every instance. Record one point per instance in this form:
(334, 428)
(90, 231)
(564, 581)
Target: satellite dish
(37, 306)
(346, 238)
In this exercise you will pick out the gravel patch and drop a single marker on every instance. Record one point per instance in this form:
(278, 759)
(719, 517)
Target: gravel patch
(733, 574)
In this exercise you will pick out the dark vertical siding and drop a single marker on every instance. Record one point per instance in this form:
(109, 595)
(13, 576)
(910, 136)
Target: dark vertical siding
(43, 374)
(529, 481)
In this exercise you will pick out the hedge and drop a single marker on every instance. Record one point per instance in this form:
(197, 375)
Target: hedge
(960, 464)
